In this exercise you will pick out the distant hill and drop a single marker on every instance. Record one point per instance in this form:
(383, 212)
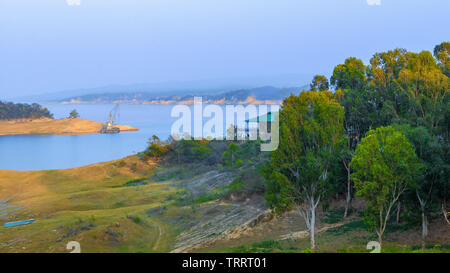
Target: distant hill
(261, 95)
(172, 88)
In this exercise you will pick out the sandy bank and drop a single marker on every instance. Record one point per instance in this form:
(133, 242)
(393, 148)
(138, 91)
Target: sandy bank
(46, 126)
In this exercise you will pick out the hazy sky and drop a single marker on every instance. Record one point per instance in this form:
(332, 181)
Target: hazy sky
(49, 45)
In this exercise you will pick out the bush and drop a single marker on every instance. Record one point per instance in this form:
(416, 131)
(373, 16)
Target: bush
(121, 163)
(156, 148)
(238, 163)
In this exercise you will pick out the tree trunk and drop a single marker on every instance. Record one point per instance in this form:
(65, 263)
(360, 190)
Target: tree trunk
(312, 227)
(380, 239)
(348, 197)
(424, 228)
(399, 206)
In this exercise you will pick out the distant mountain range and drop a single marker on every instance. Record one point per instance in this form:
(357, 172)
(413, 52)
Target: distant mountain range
(261, 95)
(174, 88)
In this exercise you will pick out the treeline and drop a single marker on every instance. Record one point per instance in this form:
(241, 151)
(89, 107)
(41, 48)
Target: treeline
(9, 110)
(228, 97)
(382, 135)
(207, 152)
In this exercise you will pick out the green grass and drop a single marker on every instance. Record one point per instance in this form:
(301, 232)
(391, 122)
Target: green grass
(135, 182)
(351, 226)
(90, 205)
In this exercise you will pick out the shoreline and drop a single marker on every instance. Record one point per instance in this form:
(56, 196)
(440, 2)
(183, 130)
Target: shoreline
(49, 127)
(95, 164)
(249, 100)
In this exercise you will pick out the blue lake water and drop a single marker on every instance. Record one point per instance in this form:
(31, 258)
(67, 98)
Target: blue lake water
(35, 152)
(32, 152)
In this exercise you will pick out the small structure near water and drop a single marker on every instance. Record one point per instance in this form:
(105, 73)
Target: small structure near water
(18, 223)
(109, 127)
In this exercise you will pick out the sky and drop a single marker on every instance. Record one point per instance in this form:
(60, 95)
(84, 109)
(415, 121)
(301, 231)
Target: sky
(53, 45)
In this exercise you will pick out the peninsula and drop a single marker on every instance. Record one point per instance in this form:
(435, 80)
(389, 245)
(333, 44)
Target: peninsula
(49, 126)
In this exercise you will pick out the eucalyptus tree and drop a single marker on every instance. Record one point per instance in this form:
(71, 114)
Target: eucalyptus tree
(311, 126)
(442, 54)
(385, 165)
(350, 81)
(431, 179)
(319, 83)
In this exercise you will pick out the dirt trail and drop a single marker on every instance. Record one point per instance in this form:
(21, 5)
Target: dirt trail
(305, 233)
(158, 241)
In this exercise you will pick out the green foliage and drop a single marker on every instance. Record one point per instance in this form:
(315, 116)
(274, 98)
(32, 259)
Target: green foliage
(190, 150)
(248, 181)
(238, 163)
(350, 75)
(441, 53)
(9, 110)
(278, 191)
(141, 155)
(385, 165)
(432, 181)
(334, 216)
(310, 129)
(156, 148)
(74, 114)
(231, 154)
(135, 182)
(121, 163)
(267, 246)
(319, 83)
(135, 219)
(347, 227)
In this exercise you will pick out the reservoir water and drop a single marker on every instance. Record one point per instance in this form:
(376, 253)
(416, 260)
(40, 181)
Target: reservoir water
(34, 152)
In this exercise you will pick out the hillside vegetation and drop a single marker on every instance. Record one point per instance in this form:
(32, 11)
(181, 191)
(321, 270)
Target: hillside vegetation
(368, 161)
(9, 110)
(266, 94)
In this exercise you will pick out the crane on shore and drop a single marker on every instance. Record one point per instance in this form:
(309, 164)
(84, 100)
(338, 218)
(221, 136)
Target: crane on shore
(109, 127)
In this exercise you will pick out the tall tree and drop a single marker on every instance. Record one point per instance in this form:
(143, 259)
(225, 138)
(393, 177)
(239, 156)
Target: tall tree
(429, 182)
(319, 83)
(311, 126)
(442, 54)
(427, 89)
(350, 75)
(385, 165)
(350, 82)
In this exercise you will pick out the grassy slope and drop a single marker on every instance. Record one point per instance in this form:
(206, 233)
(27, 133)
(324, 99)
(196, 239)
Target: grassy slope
(88, 205)
(106, 207)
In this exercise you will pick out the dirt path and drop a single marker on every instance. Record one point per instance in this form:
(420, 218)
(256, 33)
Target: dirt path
(304, 233)
(157, 243)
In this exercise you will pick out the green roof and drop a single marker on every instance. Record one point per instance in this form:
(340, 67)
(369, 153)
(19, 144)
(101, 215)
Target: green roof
(263, 118)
